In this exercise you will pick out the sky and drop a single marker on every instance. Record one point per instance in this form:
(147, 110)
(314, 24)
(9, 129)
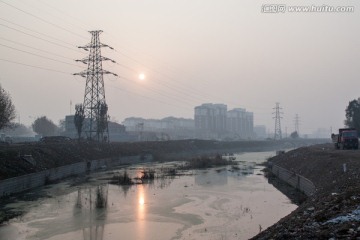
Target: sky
(191, 52)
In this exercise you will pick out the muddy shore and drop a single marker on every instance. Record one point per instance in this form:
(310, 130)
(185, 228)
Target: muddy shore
(333, 212)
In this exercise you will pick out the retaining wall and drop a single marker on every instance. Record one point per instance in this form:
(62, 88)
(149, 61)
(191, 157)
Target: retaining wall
(26, 182)
(297, 181)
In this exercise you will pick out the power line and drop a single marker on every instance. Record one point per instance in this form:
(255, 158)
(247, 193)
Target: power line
(32, 66)
(41, 19)
(179, 88)
(178, 99)
(176, 89)
(112, 86)
(34, 54)
(37, 32)
(41, 50)
(57, 44)
(144, 96)
(66, 14)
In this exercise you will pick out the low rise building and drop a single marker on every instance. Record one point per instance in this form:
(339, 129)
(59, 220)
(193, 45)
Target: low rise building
(165, 129)
(116, 131)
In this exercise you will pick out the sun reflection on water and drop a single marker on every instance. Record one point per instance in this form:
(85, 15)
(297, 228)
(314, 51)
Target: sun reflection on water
(141, 201)
(141, 212)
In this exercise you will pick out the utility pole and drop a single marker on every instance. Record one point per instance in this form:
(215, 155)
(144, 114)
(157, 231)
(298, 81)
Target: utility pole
(277, 135)
(95, 107)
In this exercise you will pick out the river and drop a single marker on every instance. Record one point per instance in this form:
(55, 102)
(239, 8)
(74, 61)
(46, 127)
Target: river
(219, 203)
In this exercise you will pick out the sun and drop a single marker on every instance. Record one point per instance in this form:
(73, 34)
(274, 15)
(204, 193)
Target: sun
(142, 77)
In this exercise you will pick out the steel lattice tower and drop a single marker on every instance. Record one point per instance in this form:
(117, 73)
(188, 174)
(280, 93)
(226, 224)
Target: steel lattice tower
(95, 107)
(297, 123)
(277, 135)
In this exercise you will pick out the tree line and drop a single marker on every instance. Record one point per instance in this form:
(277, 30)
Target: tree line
(42, 125)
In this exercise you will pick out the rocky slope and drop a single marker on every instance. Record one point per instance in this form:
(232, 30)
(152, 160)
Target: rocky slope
(333, 212)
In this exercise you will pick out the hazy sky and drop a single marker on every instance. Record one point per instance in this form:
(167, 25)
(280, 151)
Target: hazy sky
(191, 51)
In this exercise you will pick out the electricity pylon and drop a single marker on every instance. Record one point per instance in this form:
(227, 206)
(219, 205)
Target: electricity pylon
(277, 135)
(297, 123)
(95, 107)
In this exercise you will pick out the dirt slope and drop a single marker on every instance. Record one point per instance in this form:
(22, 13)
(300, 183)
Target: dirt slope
(333, 212)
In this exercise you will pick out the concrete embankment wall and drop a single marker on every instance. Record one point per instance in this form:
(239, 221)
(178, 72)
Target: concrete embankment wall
(26, 182)
(297, 181)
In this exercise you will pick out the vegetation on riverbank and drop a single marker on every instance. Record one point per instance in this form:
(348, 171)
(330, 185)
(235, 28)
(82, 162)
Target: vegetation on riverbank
(207, 162)
(147, 175)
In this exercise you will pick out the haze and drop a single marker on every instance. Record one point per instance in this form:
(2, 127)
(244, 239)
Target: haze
(191, 52)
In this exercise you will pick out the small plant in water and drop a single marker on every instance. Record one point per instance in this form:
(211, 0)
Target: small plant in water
(101, 197)
(148, 174)
(121, 179)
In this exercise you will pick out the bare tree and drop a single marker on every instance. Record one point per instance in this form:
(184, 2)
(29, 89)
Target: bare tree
(79, 118)
(7, 109)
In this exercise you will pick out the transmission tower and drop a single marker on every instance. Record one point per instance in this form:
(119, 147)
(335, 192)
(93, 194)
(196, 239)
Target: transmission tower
(297, 123)
(95, 107)
(277, 135)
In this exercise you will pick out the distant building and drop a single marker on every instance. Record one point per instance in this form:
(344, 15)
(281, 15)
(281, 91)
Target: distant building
(240, 124)
(133, 124)
(260, 131)
(236, 122)
(213, 121)
(166, 128)
(321, 133)
(249, 125)
(210, 120)
(70, 129)
(116, 130)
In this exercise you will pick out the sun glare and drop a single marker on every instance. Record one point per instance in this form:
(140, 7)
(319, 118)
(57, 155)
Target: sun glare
(141, 201)
(142, 76)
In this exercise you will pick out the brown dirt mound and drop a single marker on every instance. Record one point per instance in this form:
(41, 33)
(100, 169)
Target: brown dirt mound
(333, 211)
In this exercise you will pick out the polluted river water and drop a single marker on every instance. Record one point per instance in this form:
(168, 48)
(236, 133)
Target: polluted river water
(216, 203)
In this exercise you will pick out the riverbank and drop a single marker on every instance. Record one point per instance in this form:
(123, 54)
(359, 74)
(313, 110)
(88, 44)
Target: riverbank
(333, 211)
(198, 204)
(21, 159)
